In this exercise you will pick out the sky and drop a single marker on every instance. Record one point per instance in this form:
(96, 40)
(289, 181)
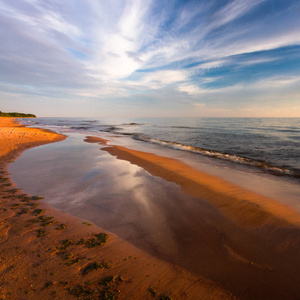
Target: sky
(148, 58)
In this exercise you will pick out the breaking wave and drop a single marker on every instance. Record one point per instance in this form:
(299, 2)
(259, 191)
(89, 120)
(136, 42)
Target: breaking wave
(280, 171)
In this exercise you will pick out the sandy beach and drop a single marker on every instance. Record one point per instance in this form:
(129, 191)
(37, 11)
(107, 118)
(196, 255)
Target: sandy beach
(48, 254)
(248, 247)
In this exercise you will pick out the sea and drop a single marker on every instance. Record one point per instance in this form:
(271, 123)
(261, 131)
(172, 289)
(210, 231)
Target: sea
(271, 145)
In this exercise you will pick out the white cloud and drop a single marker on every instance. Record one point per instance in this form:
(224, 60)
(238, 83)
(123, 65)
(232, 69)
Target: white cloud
(233, 10)
(191, 89)
(115, 53)
(277, 82)
(159, 79)
(213, 64)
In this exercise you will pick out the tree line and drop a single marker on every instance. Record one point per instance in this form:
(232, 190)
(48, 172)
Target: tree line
(16, 115)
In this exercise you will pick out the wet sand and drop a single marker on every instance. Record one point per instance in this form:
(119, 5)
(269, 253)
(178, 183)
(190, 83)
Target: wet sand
(250, 245)
(46, 254)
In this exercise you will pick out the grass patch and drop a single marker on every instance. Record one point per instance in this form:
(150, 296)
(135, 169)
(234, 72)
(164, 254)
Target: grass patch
(38, 211)
(41, 232)
(70, 260)
(106, 288)
(86, 223)
(73, 261)
(101, 239)
(36, 198)
(98, 240)
(61, 227)
(45, 221)
(65, 244)
(95, 266)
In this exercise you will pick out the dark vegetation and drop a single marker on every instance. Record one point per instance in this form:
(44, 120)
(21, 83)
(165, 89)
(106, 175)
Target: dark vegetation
(95, 266)
(107, 288)
(16, 115)
(95, 241)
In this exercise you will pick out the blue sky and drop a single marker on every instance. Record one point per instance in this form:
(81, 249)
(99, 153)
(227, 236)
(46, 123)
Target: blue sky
(140, 58)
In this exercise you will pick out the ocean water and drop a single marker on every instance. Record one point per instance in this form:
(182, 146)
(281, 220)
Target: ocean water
(271, 145)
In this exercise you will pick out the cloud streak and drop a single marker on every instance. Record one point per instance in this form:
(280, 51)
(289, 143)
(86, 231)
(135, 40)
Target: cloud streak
(193, 50)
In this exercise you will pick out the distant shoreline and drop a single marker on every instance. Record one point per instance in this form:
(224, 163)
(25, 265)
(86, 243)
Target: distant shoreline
(16, 115)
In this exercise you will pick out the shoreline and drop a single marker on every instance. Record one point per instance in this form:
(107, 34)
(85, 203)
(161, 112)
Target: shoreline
(46, 253)
(235, 201)
(256, 237)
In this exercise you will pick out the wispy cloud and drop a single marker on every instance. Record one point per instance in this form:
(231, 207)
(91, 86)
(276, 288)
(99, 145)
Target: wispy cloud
(120, 49)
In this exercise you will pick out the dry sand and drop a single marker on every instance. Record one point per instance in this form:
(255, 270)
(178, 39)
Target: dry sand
(47, 254)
